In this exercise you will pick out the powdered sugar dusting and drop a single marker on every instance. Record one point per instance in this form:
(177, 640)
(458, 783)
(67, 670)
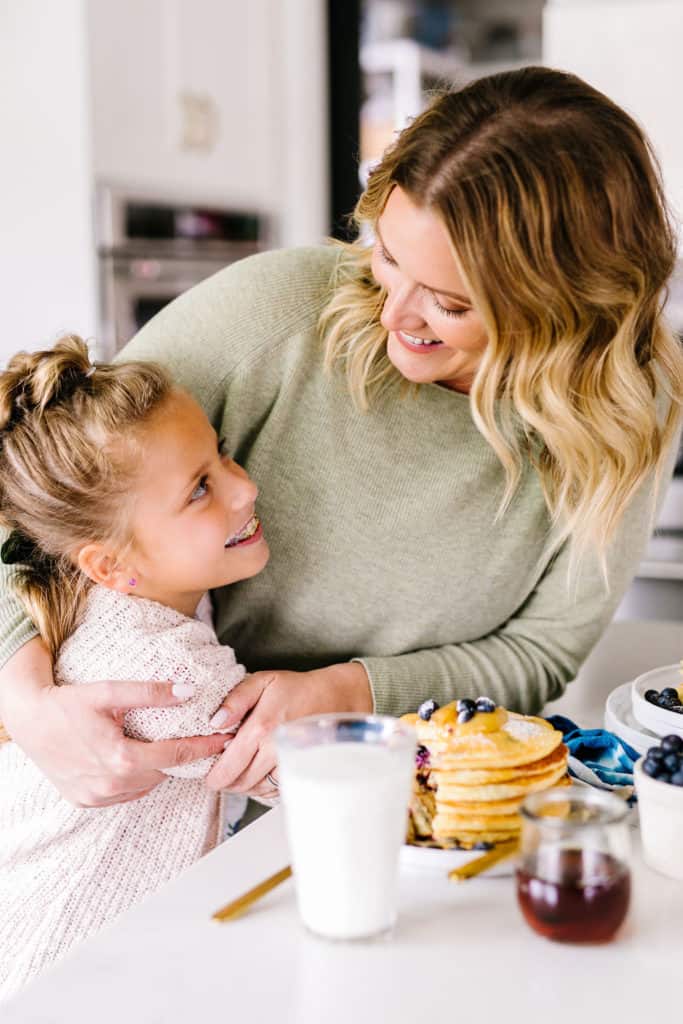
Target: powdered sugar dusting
(519, 729)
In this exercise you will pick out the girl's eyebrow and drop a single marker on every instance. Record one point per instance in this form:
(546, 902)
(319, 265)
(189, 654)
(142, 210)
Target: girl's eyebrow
(439, 291)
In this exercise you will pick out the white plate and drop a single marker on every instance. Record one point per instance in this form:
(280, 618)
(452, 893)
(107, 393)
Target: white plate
(658, 720)
(426, 858)
(620, 720)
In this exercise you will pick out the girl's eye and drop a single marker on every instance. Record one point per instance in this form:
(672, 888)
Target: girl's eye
(448, 312)
(201, 489)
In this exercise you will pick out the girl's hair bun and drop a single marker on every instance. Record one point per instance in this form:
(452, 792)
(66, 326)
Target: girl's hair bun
(34, 380)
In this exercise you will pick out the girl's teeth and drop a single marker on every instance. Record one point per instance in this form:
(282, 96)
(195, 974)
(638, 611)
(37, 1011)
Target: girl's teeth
(247, 531)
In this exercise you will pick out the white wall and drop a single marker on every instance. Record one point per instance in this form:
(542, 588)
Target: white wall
(630, 50)
(47, 267)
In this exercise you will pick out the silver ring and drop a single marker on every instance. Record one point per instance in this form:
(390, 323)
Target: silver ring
(272, 780)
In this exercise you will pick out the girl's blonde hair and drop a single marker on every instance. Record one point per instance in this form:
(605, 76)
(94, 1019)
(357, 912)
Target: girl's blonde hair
(66, 465)
(554, 205)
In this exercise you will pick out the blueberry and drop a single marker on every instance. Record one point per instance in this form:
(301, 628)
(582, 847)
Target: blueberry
(465, 715)
(677, 778)
(651, 695)
(656, 754)
(665, 702)
(677, 709)
(485, 704)
(466, 705)
(664, 777)
(670, 693)
(481, 845)
(421, 757)
(671, 762)
(672, 744)
(427, 709)
(652, 768)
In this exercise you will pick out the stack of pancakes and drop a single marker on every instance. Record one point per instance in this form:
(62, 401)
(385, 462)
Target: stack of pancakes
(472, 776)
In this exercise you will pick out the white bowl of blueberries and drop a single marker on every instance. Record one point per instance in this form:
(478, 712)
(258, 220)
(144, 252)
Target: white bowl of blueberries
(659, 786)
(657, 700)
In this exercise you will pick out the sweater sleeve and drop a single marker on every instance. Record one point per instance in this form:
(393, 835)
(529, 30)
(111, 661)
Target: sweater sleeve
(212, 671)
(16, 628)
(529, 660)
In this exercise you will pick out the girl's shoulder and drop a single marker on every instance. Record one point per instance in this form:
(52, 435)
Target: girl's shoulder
(119, 633)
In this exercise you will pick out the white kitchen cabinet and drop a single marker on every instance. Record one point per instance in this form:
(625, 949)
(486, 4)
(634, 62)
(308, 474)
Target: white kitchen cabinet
(185, 96)
(219, 101)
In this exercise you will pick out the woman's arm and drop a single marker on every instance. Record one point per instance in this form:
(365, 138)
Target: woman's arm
(75, 735)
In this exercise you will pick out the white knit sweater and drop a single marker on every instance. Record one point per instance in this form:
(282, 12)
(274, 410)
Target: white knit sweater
(66, 871)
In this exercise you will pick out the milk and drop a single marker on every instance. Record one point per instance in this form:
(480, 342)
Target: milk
(346, 807)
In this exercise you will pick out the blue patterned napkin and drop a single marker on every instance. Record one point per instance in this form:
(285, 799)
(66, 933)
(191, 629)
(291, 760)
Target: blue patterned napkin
(598, 757)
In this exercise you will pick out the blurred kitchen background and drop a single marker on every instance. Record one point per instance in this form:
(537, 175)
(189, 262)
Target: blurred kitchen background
(148, 143)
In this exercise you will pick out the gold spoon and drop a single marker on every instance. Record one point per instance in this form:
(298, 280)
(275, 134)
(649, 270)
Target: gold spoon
(486, 861)
(232, 910)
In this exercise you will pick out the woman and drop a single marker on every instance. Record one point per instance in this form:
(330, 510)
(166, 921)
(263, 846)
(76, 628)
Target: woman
(457, 430)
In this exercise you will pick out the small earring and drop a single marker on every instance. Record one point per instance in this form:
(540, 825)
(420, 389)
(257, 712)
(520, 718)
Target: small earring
(132, 582)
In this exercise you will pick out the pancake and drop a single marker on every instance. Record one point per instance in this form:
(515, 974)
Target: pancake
(519, 787)
(473, 775)
(485, 776)
(446, 823)
(476, 808)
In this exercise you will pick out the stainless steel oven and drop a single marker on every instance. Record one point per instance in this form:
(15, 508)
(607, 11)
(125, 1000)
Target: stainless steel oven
(150, 250)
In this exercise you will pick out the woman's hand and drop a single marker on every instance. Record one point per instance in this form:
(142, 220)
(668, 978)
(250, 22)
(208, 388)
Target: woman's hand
(263, 701)
(74, 734)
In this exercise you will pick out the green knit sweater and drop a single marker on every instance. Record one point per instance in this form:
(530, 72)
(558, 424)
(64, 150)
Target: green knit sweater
(380, 524)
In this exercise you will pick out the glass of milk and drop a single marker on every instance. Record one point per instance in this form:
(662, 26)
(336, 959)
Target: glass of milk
(345, 782)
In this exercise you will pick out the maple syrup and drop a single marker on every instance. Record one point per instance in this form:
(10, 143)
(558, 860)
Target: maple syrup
(584, 898)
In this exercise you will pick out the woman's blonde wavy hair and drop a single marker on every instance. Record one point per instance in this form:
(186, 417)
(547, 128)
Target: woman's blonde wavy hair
(553, 201)
(67, 460)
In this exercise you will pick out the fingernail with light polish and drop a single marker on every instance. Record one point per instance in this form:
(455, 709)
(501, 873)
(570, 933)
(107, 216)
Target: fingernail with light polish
(182, 690)
(220, 719)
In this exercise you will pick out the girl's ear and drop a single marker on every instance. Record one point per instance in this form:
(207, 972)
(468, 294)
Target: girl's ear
(100, 565)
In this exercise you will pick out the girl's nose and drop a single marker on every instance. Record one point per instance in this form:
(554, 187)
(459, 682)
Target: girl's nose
(242, 490)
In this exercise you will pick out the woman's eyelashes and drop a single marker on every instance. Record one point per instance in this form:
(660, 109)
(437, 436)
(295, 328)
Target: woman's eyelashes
(448, 312)
(384, 255)
(386, 258)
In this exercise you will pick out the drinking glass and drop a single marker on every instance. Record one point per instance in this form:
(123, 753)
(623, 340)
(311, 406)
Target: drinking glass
(345, 782)
(573, 877)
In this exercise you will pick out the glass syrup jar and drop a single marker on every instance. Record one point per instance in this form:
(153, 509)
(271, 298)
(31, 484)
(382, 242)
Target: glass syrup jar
(573, 875)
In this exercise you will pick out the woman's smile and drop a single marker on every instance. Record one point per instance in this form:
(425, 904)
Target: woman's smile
(418, 345)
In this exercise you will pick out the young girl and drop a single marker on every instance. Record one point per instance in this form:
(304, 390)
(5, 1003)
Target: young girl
(124, 511)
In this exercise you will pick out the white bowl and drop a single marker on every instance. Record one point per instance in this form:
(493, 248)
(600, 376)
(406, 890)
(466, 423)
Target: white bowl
(619, 720)
(660, 808)
(656, 719)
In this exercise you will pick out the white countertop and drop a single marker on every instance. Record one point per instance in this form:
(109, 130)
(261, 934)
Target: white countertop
(459, 953)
